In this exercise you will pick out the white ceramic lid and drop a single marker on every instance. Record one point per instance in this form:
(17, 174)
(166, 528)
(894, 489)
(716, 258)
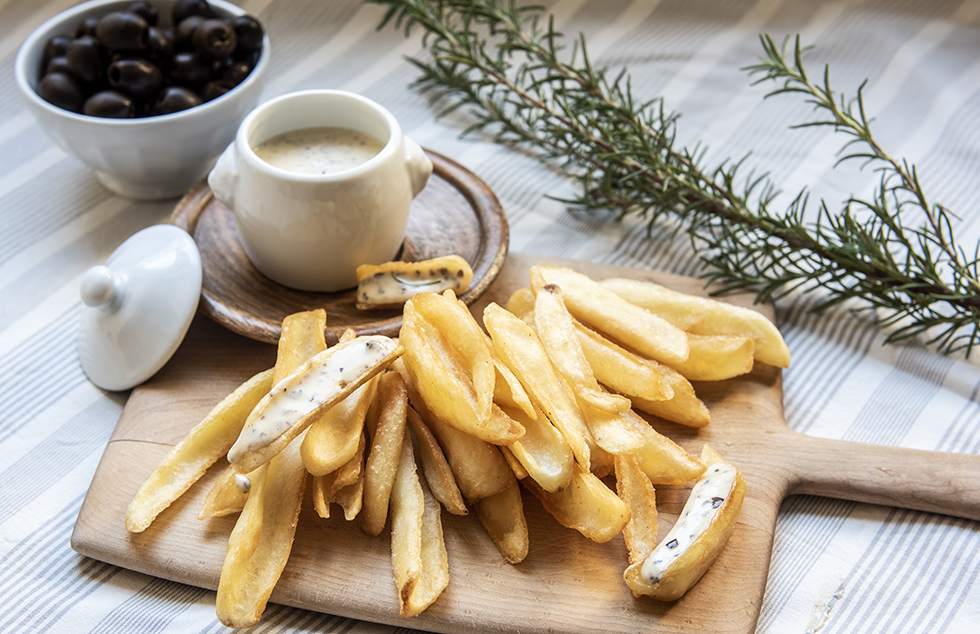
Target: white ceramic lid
(138, 307)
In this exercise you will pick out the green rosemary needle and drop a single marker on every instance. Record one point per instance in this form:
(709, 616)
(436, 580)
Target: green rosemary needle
(509, 68)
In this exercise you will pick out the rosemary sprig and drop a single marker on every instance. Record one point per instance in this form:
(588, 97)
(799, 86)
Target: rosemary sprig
(512, 73)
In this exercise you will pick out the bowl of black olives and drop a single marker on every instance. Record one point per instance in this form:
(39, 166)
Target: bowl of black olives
(146, 92)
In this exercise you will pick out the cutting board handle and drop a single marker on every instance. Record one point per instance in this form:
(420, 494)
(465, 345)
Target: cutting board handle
(933, 481)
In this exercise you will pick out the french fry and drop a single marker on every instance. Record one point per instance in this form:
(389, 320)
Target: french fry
(418, 551)
(621, 370)
(303, 395)
(611, 432)
(351, 498)
(698, 537)
(520, 301)
(704, 316)
(522, 352)
(635, 489)
(438, 473)
(321, 499)
(227, 496)
(200, 448)
(507, 389)
(556, 331)
(386, 447)
(663, 460)
(543, 453)
(261, 541)
(717, 357)
(604, 310)
(326, 488)
(333, 438)
(503, 517)
(515, 465)
(586, 505)
(445, 385)
(684, 407)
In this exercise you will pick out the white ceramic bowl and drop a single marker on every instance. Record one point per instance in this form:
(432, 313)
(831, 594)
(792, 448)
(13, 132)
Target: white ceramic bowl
(147, 158)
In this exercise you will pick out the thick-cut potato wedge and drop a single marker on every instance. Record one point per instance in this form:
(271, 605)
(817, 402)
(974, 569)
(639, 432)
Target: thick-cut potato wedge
(391, 284)
(555, 328)
(438, 473)
(407, 506)
(611, 431)
(704, 316)
(621, 370)
(543, 453)
(321, 499)
(520, 301)
(300, 398)
(261, 541)
(456, 323)
(227, 496)
(418, 550)
(503, 517)
(521, 350)
(684, 407)
(333, 438)
(635, 489)
(386, 447)
(586, 505)
(604, 310)
(515, 465)
(350, 498)
(686, 553)
(663, 460)
(200, 448)
(445, 384)
(717, 357)
(507, 389)
(301, 338)
(326, 488)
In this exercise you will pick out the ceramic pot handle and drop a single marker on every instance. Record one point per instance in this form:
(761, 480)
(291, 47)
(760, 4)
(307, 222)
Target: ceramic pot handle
(418, 164)
(223, 179)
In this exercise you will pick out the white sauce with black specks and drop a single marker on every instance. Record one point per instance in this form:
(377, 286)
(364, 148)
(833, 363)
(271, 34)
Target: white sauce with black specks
(242, 483)
(319, 150)
(389, 287)
(298, 395)
(707, 496)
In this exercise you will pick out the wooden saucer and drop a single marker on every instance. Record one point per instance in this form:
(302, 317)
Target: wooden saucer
(455, 213)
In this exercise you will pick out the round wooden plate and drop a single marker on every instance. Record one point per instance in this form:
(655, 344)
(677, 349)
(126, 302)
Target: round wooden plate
(455, 213)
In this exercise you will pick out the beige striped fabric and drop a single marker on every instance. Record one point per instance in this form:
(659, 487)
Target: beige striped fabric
(836, 566)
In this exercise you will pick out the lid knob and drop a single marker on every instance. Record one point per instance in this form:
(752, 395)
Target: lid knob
(98, 287)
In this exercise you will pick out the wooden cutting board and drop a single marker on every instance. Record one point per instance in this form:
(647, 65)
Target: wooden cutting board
(567, 584)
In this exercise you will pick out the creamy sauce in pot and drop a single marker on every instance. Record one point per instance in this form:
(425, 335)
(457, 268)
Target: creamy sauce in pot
(319, 150)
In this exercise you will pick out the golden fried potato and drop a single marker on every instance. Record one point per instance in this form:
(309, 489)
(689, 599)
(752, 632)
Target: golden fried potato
(621, 370)
(717, 357)
(704, 316)
(542, 453)
(333, 438)
(199, 449)
(607, 312)
(503, 517)
(663, 460)
(586, 505)
(384, 453)
(521, 350)
(684, 407)
(698, 537)
(438, 473)
(635, 489)
(227, 496)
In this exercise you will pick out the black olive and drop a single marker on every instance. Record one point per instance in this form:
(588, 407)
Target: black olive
(110, 104)
(138, 78)
(184, 33)
(236, 71)
(62, 90)
(145, 10)
(86, 58)
(215, 39)
(56, 46)
(160, 47)
(249, 33)
(175, 99)
(123, 32)
(186, 8)
(57, 64)
(87, 26)
(216, 88)
(188, 69)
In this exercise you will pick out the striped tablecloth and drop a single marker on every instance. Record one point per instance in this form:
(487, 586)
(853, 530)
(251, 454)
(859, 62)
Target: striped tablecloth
(836, 566)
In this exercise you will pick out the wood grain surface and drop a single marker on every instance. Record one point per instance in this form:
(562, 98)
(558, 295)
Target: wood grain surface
(567, 584)
(456, 213)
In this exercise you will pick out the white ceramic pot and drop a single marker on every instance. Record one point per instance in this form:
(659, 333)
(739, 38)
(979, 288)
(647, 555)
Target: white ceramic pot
(311, 231)
(146, 158)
